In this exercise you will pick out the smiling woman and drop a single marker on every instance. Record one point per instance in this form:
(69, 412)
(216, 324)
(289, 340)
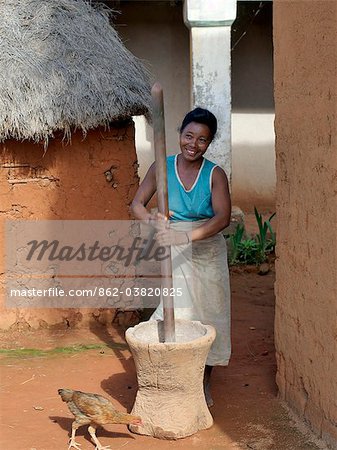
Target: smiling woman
(195, 139)
(200, 207)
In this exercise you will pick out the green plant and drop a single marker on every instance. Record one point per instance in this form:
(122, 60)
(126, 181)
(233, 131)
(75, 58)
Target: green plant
(252, 250)
(76, 348)
(248, 251)
(266, 244)
(234, 243)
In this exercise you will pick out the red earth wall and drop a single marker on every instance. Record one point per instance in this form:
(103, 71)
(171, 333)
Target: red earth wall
(66, 182)
(305, 57)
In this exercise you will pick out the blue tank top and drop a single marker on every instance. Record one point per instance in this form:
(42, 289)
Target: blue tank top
(195, 203)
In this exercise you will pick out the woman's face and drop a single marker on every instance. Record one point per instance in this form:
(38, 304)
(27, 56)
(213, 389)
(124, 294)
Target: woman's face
(194, 140)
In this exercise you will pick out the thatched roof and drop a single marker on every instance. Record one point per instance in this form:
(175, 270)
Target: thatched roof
(63, 66)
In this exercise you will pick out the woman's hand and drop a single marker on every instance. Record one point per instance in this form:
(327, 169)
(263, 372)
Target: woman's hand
(158, 221)
(165, 234)
(169, 236)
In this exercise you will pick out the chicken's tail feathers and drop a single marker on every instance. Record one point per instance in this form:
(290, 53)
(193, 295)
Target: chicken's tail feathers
(66, 394)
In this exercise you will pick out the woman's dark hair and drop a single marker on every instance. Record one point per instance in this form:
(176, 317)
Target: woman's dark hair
(203, 116)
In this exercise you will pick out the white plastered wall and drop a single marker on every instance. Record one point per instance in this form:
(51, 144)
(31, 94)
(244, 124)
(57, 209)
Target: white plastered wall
(155, 32)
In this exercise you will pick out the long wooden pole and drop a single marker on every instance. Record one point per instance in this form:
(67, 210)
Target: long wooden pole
(162, 196)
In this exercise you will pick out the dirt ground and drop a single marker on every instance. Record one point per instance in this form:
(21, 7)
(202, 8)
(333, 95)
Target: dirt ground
(247, 413)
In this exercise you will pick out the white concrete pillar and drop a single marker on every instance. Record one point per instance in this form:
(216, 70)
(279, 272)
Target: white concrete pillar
(210, 24)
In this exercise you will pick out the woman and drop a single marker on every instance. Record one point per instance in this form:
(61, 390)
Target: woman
(200, 208)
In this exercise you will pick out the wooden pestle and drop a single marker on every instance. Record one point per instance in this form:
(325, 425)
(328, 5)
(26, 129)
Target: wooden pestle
(162, 196)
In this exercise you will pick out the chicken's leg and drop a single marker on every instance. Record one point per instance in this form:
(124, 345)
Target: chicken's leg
(72, 442)
(92, 432)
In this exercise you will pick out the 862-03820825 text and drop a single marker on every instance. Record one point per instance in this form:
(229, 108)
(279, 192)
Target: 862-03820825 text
(98, 292)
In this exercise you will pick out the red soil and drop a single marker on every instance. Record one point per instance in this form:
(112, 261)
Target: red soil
(247, 414)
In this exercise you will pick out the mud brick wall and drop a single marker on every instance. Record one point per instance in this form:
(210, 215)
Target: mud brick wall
(305, 58)
(93, 178)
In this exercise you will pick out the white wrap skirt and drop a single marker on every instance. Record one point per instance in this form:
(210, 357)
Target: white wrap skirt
(202, 290)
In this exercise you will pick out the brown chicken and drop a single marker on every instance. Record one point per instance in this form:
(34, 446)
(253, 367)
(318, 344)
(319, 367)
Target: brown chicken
(93, 410)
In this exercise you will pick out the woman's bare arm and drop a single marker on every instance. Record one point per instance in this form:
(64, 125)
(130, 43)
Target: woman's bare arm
(221, 203)
(144, 194)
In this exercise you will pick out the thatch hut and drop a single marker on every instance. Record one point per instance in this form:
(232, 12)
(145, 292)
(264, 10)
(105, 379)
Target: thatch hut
(68, 90)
